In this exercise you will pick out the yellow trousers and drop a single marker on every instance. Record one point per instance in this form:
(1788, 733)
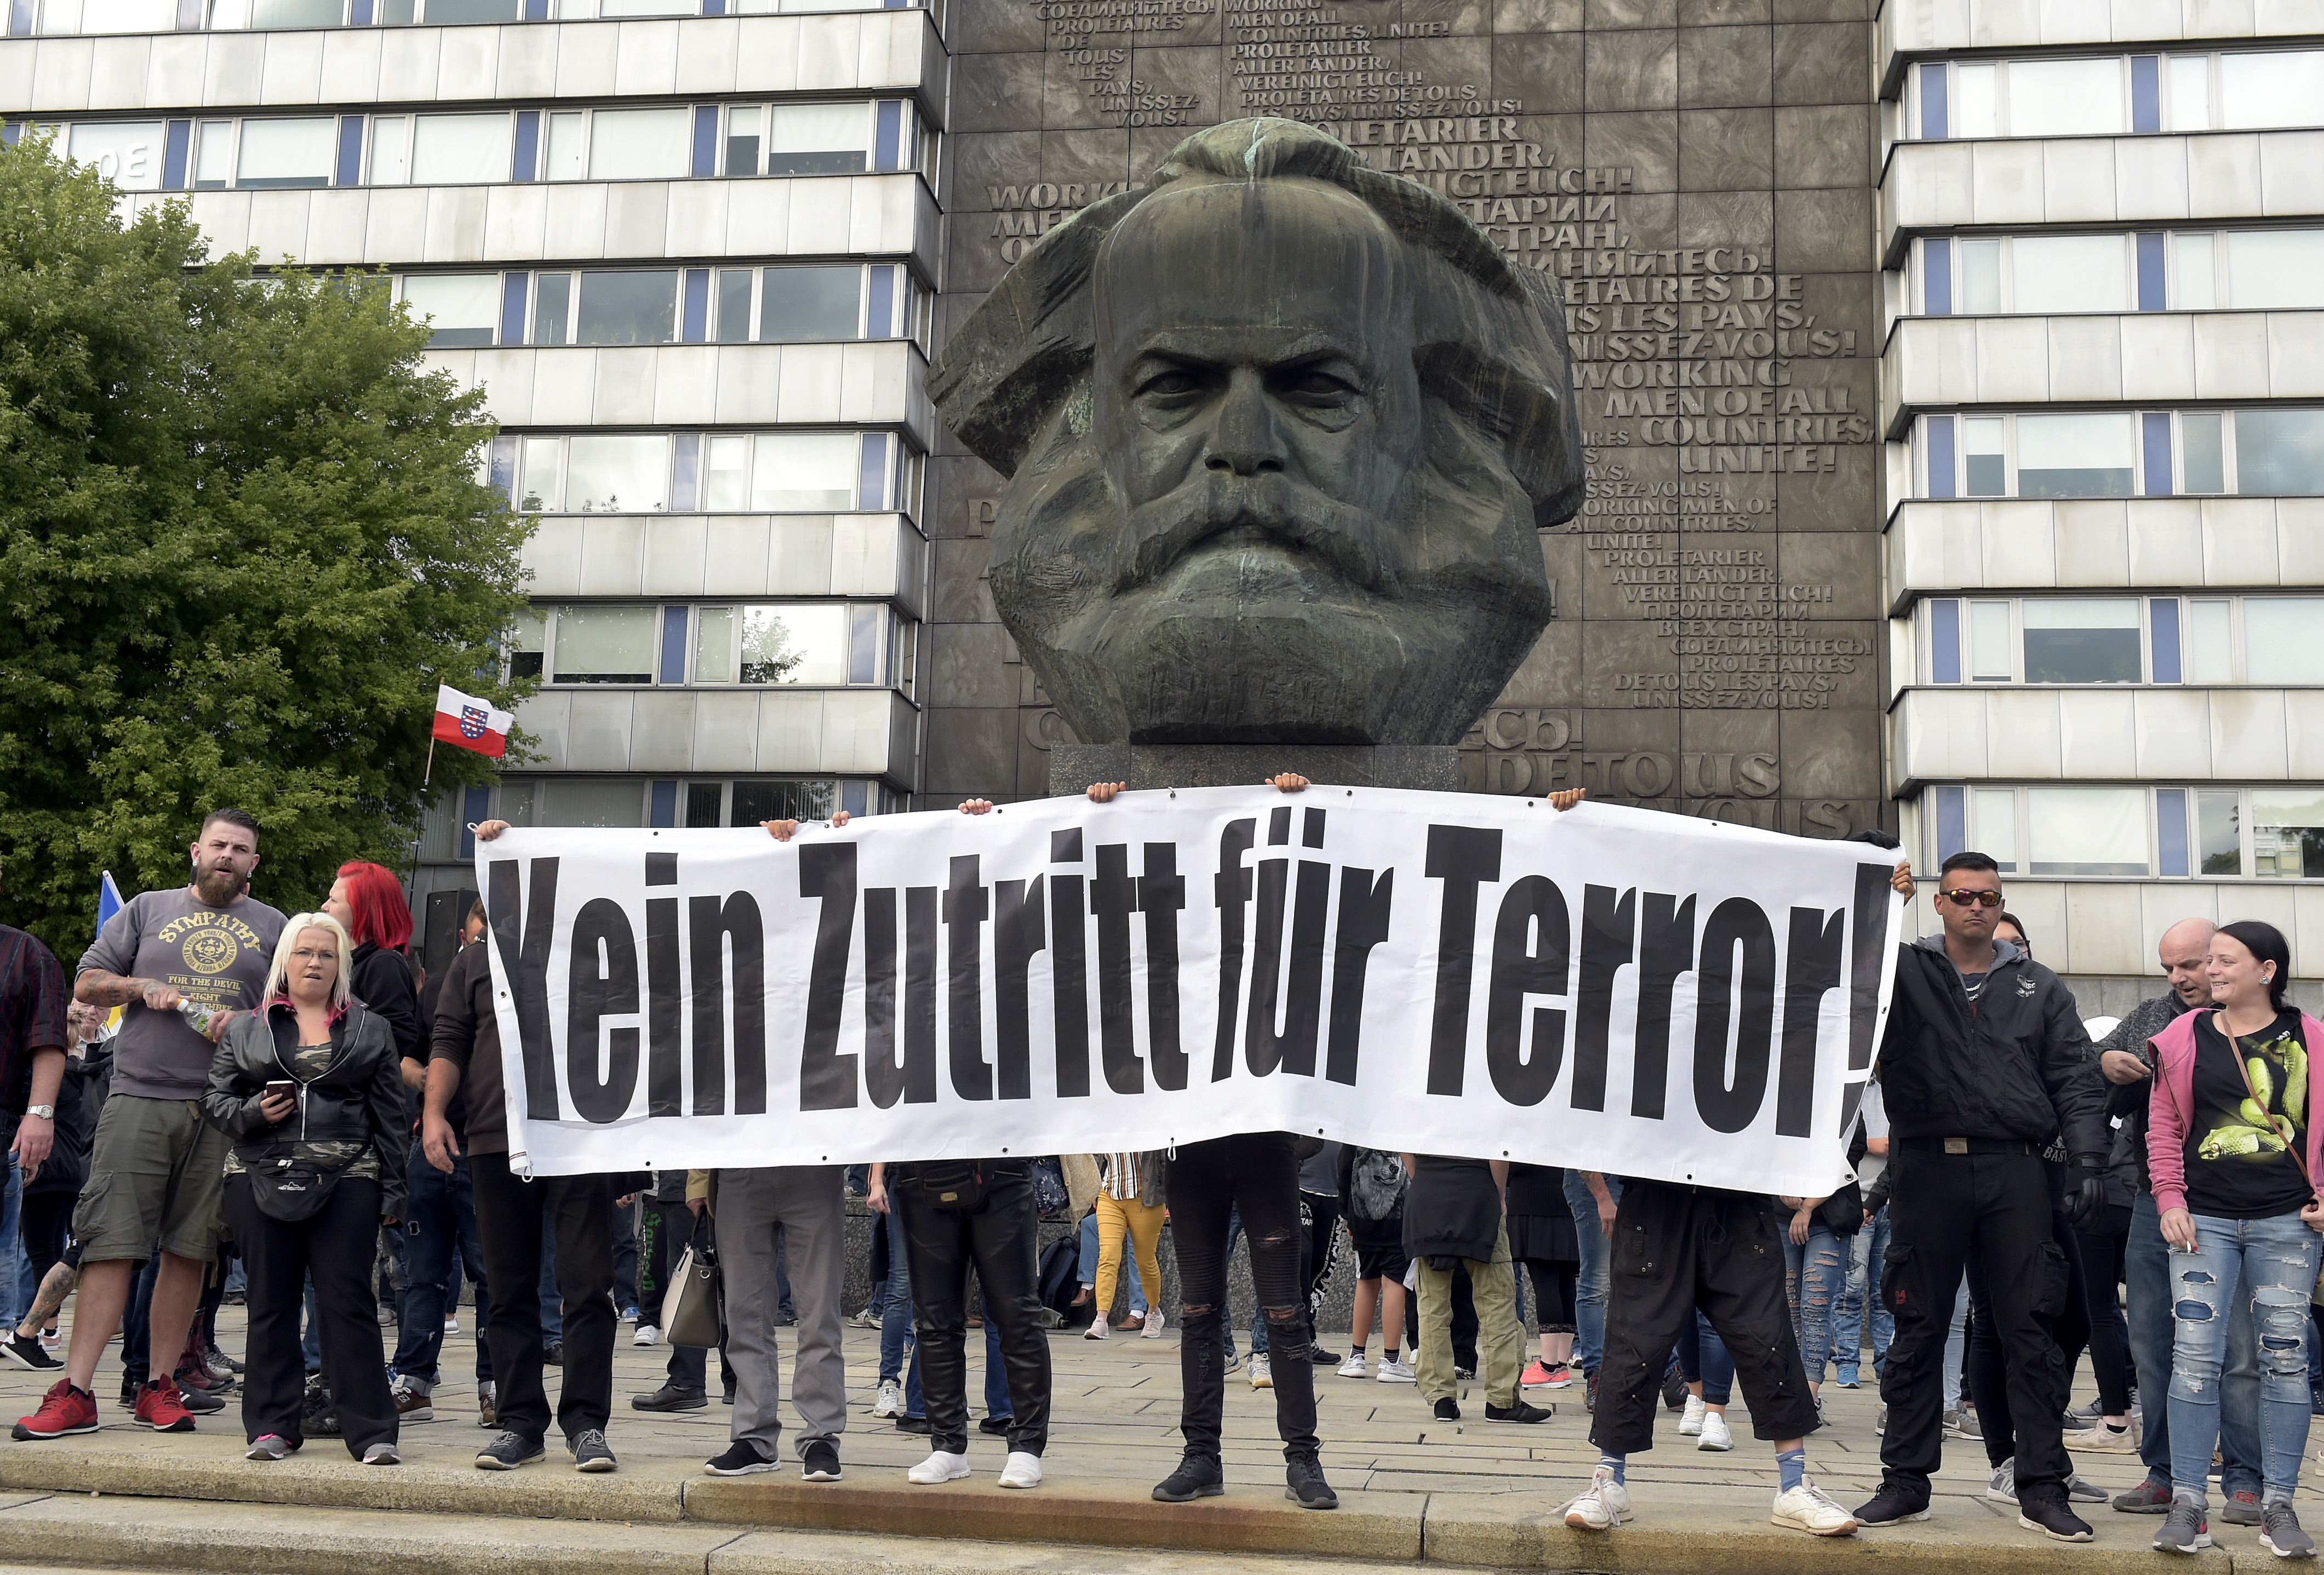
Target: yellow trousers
(1144, 1224)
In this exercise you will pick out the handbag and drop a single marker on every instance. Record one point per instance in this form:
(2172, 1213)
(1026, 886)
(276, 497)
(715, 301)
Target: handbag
(693, 1311)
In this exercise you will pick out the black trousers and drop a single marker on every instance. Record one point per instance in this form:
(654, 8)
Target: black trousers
(2103, 1248)
(1946, 1213)
(1253, 1172)
(1315, 1252)
(999, 1238)
(335, 1246)
(579, 1212)
(1676, 1249)
(42, 1225)
(1988, 1371)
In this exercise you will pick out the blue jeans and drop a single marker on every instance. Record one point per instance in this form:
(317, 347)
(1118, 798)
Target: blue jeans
(1258, 1319)
(553, 1304)
(1704, 1359)
(1956, 1345)
(1087, 1272)
(12, 1198)
(895, 1312)
(2147, 1267)
(996, 1374)
(2276, 1257)
(1860, 1303)
(441, 1240)
(1814, 1276)
(1590, 1285)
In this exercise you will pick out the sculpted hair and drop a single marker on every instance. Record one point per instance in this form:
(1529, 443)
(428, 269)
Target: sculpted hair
(1489, 337)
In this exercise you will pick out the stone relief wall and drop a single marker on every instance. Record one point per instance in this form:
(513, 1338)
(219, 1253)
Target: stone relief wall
(1698, 175)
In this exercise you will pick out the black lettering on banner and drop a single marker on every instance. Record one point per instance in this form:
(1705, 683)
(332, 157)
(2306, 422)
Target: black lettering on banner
(665, 1080)
(965, 910)
(1812, 967)
(1293, 1050)
(919, 994)
(1069, 968)
(1231, 890)
(1364, 905)
(1017, 935)
(1747, 998)
(1532, 945)
(1665, 950)
(826, 1076)
(1607, 926)
(1113, 898)
(1867, 954)
(1161, 895)
(883, 1069)
(1462, 857)
(526, 966)
(710, 924)
(602, 986)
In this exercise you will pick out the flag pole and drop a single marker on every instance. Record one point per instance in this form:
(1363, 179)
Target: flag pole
(430, 769)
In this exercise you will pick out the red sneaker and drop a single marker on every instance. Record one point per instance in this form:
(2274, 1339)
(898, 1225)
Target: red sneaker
(159, 1408)
(63, 1410)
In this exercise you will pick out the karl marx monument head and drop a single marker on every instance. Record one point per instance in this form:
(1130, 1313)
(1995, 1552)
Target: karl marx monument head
(1279, 432)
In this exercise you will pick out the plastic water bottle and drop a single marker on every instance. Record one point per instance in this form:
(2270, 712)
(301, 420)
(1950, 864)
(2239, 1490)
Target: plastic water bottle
(199, 1015)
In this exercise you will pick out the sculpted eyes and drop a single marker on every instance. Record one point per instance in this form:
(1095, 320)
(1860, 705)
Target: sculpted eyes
(1172, 382)
(1315, 386)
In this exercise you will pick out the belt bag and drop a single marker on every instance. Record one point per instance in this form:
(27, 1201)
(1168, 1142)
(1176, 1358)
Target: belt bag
(289, 1190)
(692, 1311)
(952, 1186)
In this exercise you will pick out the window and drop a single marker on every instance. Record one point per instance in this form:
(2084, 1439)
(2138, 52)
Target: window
(2210, 648)
(578, 800)
(2218, 831)
(616, 474)
(2278, 268)
(459, 150)
(126, 152)
(2081, 640)
(782, 800)
(527, 643)
(772, 472)
(803, 305)
(274, 13)
(817, 139)
(2288, 833)
(1993, 825)
(552, 312)
(2086, 830)
(2279, 451)
(2068, 273)
(462, 309)
(2284, 640)
(2156, 271)
(637, 144)
(2065, 98)
(2275, 451)
(2111, 95)
(794, 471)
(1985, 462)
(2272, 90)
(2073, 456)
(1989, 643)
(796, 643)
(627, 308)
(285, 152)
(596, 644)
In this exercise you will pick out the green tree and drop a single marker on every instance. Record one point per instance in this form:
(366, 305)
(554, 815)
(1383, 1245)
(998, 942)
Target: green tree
(243, 536)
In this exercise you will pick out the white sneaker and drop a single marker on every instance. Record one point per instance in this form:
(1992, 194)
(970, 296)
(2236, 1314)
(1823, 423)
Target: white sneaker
(892, 1400)
(1689, 1422)
(1808, 1508)
(1715, 1436)
(1353, 1368)
(1024, 1470)
(1606, 1505)
(1396, 1372)
(451, 1326)
(2002, 1486)
(1100, 1327)
(1262, 1373)
(647, 1335)
(1153, 1328)
(939, 1467)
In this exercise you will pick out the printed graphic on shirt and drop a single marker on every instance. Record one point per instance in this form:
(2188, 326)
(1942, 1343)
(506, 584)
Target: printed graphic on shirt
(208, 944)
(2258, 1128)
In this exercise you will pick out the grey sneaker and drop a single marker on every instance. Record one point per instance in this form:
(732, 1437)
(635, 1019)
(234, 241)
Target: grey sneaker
(507, 1452)
(2240, 1507)
(2280, 1533)
(2184, 1530)
(590, 1452)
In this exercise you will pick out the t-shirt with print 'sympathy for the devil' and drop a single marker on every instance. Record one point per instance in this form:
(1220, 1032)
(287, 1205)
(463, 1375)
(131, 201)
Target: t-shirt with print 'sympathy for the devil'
(213, 957)
(2242, 1140)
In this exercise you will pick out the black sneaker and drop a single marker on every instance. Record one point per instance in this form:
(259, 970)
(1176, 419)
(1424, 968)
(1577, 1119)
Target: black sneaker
(918, 1425)
(741, 1459)
(1892, 1505)
(1521, 1411)
(219, 1361)
(202, 1402)
(508, 1451)
(590, 1452)
(2049, 1514)
(27, 1352)
(1448, 1410)
(1673, 1390)
(1197, 1476)
(821, 1461)
(1466, 1374)
(671, 1397)
(2184, 1530)
(553, 1355)
(1589, 1392)
(131, 1383)
(726, 1395)
(1303, 1484)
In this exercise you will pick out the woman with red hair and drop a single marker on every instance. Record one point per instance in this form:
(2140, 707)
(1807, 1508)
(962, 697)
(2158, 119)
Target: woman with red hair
(367, 901)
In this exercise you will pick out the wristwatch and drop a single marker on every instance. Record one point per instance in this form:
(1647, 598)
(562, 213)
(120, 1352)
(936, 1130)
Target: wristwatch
(45, 1112)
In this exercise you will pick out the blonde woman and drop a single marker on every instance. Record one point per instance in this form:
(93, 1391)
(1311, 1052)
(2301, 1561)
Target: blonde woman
(309, 1091)
(1128, 1200)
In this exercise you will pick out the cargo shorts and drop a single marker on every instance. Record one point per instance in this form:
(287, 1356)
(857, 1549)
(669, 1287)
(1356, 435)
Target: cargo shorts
(156, 1174)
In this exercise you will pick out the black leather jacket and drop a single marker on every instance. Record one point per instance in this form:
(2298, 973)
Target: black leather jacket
(359, 1097)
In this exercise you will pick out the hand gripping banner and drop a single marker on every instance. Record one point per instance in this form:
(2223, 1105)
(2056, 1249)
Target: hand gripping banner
(1608, 988)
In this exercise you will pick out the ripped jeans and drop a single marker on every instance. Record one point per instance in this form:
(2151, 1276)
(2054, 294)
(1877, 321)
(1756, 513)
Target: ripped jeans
(1814, 1277)
(2277, 1258)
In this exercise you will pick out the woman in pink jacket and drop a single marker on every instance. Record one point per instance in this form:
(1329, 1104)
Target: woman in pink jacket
(2234, 1152)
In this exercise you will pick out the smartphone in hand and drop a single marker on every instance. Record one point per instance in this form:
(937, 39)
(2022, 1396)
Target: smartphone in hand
(279, 1089)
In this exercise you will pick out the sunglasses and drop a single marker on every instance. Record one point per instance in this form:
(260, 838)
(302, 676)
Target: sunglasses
(1973, 899)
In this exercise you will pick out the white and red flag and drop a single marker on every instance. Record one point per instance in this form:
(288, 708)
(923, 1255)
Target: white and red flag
(469, 723)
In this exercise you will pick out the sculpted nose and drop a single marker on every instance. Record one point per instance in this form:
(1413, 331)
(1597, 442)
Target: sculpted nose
(1244, 442)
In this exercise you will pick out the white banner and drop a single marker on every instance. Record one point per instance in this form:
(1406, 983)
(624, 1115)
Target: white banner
(1608, 988)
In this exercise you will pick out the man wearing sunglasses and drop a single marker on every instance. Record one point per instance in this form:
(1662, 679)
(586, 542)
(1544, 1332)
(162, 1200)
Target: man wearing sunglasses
(1984, 1062)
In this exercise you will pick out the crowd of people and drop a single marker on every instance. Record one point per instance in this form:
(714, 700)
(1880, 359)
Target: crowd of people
(221, 1082)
